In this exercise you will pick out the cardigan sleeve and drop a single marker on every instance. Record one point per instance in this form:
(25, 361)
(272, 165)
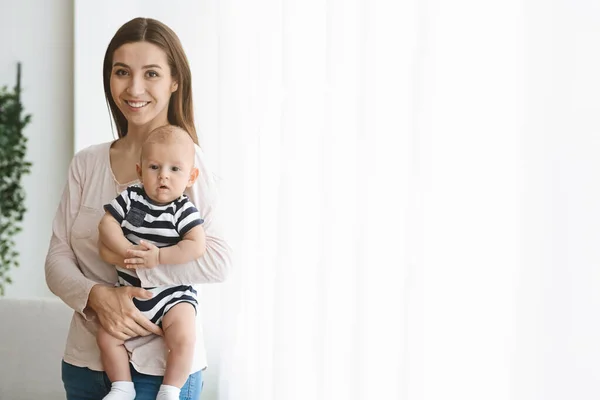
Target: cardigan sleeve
(63, 275)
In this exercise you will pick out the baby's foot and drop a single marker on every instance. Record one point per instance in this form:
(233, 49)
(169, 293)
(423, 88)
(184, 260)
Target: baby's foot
(167, 392)
(121, 390)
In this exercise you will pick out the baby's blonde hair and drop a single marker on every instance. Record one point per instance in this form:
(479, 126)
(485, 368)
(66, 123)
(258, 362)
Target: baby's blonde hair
(169, 135)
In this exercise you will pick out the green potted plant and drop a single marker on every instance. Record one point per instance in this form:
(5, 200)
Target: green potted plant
(12, 168)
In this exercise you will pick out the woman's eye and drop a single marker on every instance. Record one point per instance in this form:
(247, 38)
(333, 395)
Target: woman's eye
(120, 72)
(152, 74)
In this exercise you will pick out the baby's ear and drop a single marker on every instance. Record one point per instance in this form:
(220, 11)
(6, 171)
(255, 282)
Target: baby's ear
(193, 176)
(138, 169)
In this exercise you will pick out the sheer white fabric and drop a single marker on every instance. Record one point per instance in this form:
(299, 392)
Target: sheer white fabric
(407, 187)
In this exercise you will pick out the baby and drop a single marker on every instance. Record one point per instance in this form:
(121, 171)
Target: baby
(146, 225)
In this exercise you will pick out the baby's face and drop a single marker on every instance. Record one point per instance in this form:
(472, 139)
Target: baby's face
(166, 171)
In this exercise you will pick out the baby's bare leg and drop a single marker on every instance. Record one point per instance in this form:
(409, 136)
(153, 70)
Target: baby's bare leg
(179, 327)
(116, 364)
(114, 356)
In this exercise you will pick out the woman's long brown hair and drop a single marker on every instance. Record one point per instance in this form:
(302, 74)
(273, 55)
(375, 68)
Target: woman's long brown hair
(181, 107)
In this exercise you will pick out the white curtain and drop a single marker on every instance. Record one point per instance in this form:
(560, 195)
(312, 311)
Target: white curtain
(409, 187)
(316, 127)
(370, 155)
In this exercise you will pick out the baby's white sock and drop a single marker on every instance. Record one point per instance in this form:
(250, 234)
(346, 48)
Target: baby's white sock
(167, 392)
(121, 390)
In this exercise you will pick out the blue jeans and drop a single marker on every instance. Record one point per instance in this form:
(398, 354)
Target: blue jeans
(85, 384)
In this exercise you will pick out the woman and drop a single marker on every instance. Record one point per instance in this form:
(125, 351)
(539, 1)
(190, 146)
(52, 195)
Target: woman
(147, 84)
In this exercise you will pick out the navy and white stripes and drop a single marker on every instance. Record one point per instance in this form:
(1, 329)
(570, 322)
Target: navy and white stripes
(161, 225)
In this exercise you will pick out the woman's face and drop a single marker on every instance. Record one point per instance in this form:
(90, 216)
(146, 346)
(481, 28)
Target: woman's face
(141, 84)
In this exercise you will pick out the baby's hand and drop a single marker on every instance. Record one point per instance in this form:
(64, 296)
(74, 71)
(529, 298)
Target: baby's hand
(145, 255)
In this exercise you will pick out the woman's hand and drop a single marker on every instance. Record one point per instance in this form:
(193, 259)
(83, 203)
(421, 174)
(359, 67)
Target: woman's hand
(117, 313)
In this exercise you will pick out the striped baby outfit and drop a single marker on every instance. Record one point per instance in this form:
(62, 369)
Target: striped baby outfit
(161, 225)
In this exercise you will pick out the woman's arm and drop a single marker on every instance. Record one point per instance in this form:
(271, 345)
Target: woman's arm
(215, 264)
(113, 306)
(63, 276)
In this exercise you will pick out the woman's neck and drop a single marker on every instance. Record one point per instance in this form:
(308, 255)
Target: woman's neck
(136, 135)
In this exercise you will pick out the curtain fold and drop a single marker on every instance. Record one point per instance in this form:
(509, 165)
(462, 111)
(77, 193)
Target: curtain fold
(316, 109)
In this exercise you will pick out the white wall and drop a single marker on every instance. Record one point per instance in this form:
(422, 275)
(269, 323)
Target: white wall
(39, 34)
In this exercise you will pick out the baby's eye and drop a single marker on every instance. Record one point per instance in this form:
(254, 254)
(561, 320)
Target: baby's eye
(175, 169)
(121, 72)
(153, 166)
(152, 74)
